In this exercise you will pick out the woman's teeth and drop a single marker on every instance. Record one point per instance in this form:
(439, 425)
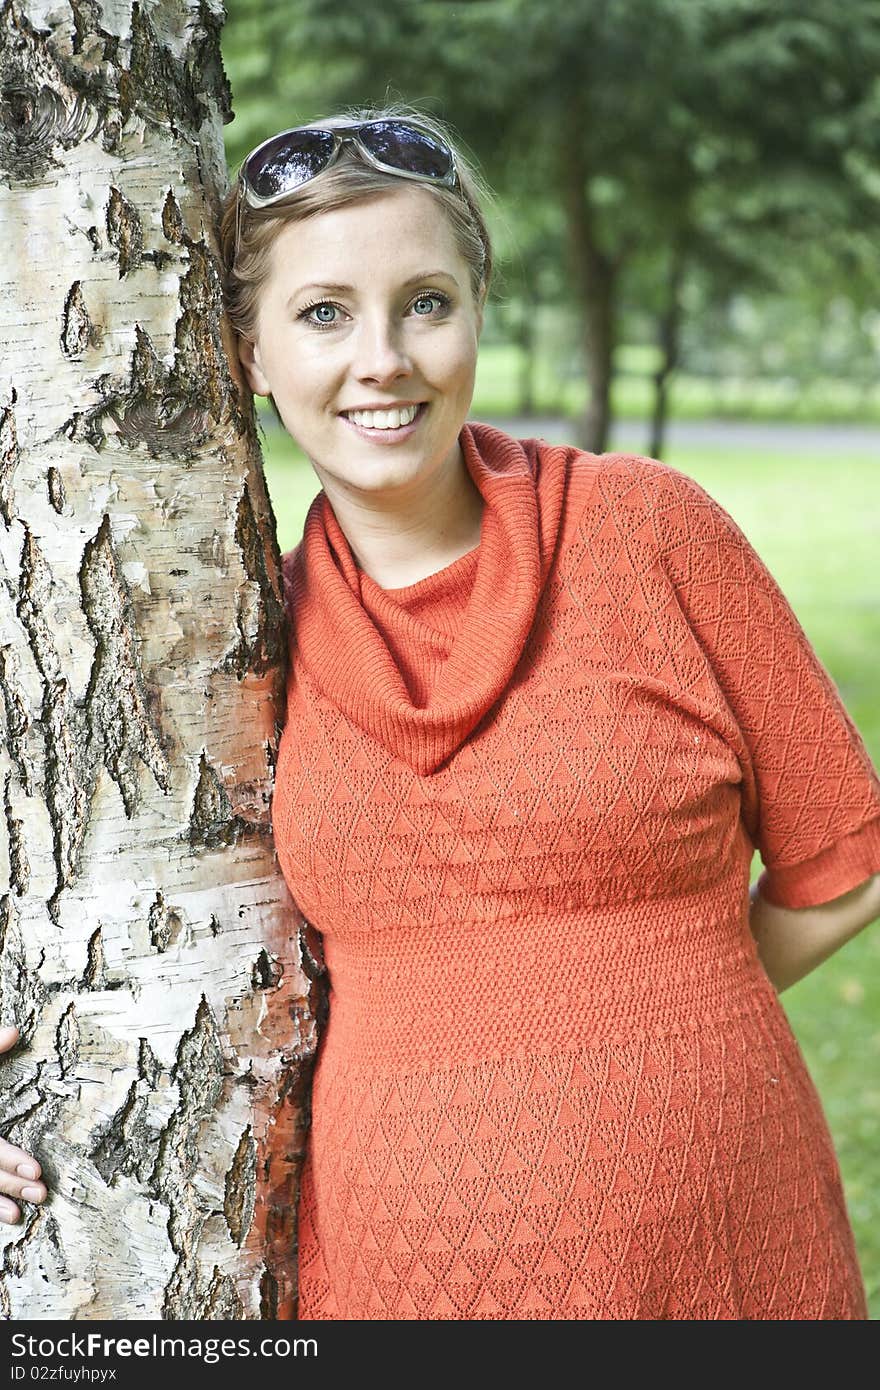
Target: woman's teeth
(383, 419)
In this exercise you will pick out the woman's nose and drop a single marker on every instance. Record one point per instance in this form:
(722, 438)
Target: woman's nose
(381, 352)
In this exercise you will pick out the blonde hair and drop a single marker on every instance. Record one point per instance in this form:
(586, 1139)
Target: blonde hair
(349, 179)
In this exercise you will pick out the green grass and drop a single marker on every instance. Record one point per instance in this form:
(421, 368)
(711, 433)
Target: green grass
(560, 388)
(813, 520)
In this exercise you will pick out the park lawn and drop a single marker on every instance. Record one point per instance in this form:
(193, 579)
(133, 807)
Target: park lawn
(813, 520)
(560, 388)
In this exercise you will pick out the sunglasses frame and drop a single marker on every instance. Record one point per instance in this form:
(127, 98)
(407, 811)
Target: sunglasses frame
(340, 135)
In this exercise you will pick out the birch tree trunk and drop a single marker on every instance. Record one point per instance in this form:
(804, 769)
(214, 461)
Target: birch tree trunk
(149, 951)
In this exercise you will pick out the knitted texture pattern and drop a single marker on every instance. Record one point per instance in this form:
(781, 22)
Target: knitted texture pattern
(520, 800)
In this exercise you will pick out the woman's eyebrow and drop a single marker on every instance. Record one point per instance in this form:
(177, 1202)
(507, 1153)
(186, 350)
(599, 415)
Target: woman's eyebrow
(346, 289)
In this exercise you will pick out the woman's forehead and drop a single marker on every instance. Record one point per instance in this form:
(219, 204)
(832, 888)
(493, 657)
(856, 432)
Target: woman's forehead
(388, 228)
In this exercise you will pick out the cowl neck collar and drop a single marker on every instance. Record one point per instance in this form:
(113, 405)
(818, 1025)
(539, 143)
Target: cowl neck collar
(522, 483)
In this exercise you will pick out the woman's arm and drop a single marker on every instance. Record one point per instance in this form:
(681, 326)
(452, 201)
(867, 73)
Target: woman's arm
(793, 941)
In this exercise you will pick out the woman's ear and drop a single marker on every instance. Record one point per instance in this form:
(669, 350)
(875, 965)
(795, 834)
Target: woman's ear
(249, 357)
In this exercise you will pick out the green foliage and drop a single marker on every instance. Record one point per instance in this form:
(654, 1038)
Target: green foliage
(735, 140)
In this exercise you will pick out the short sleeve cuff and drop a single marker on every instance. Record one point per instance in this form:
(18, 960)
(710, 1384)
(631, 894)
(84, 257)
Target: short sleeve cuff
(827, 875)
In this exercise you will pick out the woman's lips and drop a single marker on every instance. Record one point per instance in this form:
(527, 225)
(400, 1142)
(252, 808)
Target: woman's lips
(388, 436)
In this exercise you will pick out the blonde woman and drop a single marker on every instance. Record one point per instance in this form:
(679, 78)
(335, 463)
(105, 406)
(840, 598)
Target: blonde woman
(543, 707)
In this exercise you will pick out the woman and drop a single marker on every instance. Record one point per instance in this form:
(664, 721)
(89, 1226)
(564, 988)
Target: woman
(543, 705)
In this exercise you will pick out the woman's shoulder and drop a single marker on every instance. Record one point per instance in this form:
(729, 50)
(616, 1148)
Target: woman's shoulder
(637, 479)
(629, 490)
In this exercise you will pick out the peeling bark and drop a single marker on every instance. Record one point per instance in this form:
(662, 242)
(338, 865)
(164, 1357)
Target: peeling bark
(168, 993)
(8, 458)
(125, 232)
(17, 716)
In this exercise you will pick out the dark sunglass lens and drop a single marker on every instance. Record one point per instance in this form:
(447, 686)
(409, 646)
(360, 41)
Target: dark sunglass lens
(287, 161)
(404, 147)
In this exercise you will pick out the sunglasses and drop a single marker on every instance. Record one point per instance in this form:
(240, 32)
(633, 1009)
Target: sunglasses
(283, 163)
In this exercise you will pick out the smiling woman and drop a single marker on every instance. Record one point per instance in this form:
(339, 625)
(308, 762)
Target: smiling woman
(543, 706)
(374, 383)
(355, 302)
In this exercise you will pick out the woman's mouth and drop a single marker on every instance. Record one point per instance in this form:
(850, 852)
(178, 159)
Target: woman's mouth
(381, 426)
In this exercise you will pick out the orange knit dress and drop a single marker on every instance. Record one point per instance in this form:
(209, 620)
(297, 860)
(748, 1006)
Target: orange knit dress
(520, 799)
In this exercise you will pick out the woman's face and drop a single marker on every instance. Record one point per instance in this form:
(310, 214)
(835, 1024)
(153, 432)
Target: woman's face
(369, 306)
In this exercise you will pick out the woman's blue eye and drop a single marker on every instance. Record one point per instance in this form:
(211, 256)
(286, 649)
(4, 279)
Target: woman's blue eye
(311, 309)
(427, 299)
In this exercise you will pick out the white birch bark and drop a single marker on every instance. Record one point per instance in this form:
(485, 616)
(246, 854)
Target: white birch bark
(149, 950)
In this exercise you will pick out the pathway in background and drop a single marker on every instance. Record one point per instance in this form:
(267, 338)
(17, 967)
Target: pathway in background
(780, 437)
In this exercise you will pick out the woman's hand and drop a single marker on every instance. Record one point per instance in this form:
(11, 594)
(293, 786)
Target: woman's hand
(19, 1171)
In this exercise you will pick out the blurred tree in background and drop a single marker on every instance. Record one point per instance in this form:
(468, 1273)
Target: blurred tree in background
(657, 162)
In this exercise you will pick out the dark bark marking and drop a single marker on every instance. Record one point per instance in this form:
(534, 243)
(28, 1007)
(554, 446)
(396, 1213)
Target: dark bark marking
(19, 865)
(156, 412)
(9, 459)
(173, 225)
(208, 73)
(259, 613)
(57, 493)
(156, 81)
(198, 1073)
(113, 728)
(222, 1301)
(38, 112)
(94, 976)
(268, 1297)
(266, 972)
(282, 1164)
(165, 925)
(67, 1039)
(18, 720)
(147, 372)
(120, 731)
(77, 329)
(23, 995)
(125, 232)
(311, 950)
(149, 1066)
(211, 821)
(40, 1241)
(68, 782)
(58, 91)
(84, 426)
(213, 552)
(127, 1146)
(49, 95)
(201, 365)
(241, 1183)
(34, 590)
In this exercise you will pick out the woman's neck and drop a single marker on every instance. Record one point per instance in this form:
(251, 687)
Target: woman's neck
(419, 536)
